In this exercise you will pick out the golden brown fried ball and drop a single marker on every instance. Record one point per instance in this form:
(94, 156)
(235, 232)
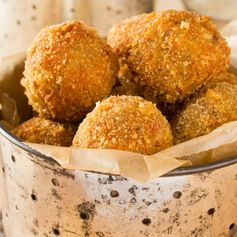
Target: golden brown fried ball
(68, 69)
(173, 52)
(44, 131)
(127, 123)
(208, 109)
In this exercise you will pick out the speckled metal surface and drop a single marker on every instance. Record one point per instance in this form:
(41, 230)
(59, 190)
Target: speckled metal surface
(42, 199)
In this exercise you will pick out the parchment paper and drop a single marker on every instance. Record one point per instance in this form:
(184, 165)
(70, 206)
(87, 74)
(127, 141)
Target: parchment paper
(128, 164)
(220, 144)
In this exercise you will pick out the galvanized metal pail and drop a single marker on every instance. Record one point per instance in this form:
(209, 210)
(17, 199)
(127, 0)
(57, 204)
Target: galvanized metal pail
(43, 199)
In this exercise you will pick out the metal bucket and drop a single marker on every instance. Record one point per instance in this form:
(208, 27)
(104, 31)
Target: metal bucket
(43, 199)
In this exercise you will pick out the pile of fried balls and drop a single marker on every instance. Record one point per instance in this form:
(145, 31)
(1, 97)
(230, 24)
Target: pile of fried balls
(158, 79)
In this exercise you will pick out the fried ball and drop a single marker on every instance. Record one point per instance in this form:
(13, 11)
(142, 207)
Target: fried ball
(44, 131)
(127, 123)
(208, 109)
(68, 69)
(173, 52)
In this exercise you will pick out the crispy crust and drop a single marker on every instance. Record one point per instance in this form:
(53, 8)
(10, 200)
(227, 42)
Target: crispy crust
(68, 69)
(126, 85)
(121, 35)
(208, 109)
(127, 89)
(44, 131)
(173, 52)
(125, 123)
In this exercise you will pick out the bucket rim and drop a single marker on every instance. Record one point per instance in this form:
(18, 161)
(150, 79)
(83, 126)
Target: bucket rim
(189, 170)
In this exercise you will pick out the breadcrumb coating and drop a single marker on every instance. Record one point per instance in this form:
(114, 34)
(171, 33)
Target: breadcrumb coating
(44, 131)
(173, 52)
(127, 123)
(69, 67)
(209, 108)
(126, 89)
(120, 36)
(126, 85)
